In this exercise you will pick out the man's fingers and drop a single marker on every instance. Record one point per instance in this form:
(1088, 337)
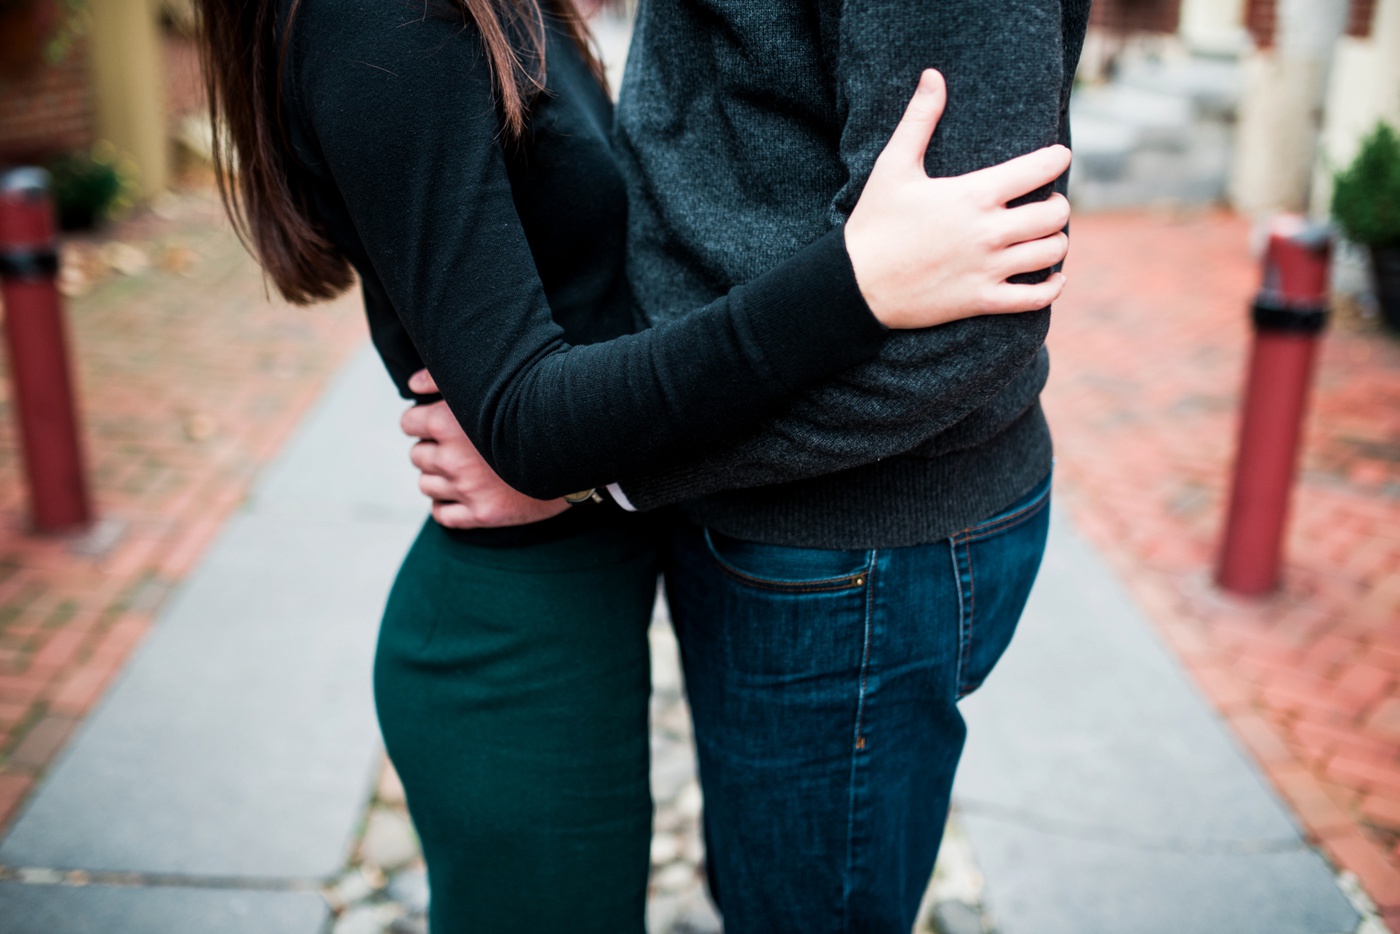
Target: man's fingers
(1035, 220)
(414, 422)
(442, 423)
(1024, 174)
(423, 383)
(1032, 255)
(425, 455)
(910, 139)
(436, 488)
(453, 515)
(434, 421)
(1009, 299)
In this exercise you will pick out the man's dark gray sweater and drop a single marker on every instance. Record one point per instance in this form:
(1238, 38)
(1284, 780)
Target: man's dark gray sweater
(747, 129)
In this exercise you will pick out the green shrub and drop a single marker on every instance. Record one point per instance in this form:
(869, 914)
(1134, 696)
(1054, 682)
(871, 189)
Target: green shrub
(87, 187)
(1366, 194)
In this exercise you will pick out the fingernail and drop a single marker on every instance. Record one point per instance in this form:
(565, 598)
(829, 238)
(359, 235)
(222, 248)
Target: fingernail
(926, 81)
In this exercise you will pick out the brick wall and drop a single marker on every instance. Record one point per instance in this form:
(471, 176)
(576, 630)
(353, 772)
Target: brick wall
(50, 111)
(1363, 16)
(184, 88)
(1261, 19)
(47, 112)
(1136, 15)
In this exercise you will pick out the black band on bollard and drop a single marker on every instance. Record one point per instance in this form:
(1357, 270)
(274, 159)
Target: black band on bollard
(41, 263)
(1271, 314)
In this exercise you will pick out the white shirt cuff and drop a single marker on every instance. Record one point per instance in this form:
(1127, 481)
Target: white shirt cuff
(620, 497)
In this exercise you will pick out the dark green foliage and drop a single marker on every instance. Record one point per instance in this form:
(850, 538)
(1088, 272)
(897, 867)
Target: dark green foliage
(1366, 194)
(86, 188)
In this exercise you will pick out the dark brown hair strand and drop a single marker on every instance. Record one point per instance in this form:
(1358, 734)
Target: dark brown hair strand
(242, 60)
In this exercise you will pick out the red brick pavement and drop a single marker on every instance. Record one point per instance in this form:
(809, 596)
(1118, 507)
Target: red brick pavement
(1149, 348)
(189, 379)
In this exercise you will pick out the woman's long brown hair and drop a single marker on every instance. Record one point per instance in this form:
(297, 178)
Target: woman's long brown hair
(242, 59)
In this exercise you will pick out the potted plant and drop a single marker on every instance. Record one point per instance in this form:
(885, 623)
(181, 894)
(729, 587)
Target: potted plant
(1366, 205)
(87, 187)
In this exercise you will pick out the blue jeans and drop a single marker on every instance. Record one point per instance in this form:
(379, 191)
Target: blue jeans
(824, 687)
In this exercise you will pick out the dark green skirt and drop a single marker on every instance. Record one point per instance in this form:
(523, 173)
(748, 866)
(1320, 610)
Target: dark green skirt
(512, 688)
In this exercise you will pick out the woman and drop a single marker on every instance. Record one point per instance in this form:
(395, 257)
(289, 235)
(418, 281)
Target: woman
(457, 159)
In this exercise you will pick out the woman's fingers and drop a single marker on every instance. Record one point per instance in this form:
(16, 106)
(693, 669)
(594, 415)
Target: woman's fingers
(1009, 298)
(909, 142)
(1032, 256)
(1021, 176)
(927, 251)
(1035, 220)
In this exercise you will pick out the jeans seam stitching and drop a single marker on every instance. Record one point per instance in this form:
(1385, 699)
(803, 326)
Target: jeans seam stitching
(855, 744)
(963, 688)
(953, 545)
(977, 533)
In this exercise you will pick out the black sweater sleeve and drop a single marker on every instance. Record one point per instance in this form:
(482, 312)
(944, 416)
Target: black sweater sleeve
(400, 108)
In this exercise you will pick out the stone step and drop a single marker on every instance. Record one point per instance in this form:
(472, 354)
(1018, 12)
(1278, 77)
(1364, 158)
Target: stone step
(1109, 178)
(1102, 148)
(1158, 120)
(1212, 85)
(1162, 131)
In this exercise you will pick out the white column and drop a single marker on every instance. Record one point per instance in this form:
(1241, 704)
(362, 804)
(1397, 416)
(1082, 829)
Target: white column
(128, 86)
(1280, 110)
(1213, 25)
(1364, 88)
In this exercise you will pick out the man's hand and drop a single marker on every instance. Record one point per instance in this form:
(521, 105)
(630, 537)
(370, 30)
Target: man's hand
(465, 491)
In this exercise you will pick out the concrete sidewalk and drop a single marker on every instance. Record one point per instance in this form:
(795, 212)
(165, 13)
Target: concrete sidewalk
(221, 780)
(1101, 794)
(220, 783)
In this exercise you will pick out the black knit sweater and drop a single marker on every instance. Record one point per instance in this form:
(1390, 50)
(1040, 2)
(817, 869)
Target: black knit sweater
(747, 129)
(497, 264)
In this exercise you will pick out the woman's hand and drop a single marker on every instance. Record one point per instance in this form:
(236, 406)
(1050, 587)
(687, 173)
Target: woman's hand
(465, 491)
(927, 251)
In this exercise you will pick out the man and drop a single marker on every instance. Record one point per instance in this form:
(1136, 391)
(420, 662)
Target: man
(853, 567)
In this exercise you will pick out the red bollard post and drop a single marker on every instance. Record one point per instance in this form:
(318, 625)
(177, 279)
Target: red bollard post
(34, 334)
(1289, 315)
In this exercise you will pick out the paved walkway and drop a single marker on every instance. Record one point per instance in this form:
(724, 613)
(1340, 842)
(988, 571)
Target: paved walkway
(1149, 353)
(1100, 792)
(225, 776)
(190, 381)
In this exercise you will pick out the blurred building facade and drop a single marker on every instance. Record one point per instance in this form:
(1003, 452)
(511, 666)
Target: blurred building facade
(1249, 101)
(1254, 102)
(120, 71)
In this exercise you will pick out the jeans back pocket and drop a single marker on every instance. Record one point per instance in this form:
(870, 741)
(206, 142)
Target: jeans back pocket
(788, 569)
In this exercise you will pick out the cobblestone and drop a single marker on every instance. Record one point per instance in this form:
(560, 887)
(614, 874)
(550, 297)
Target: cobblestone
(956, 901)
(677, 901)
(189, 380)
(389, 842)
(1150, 349)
